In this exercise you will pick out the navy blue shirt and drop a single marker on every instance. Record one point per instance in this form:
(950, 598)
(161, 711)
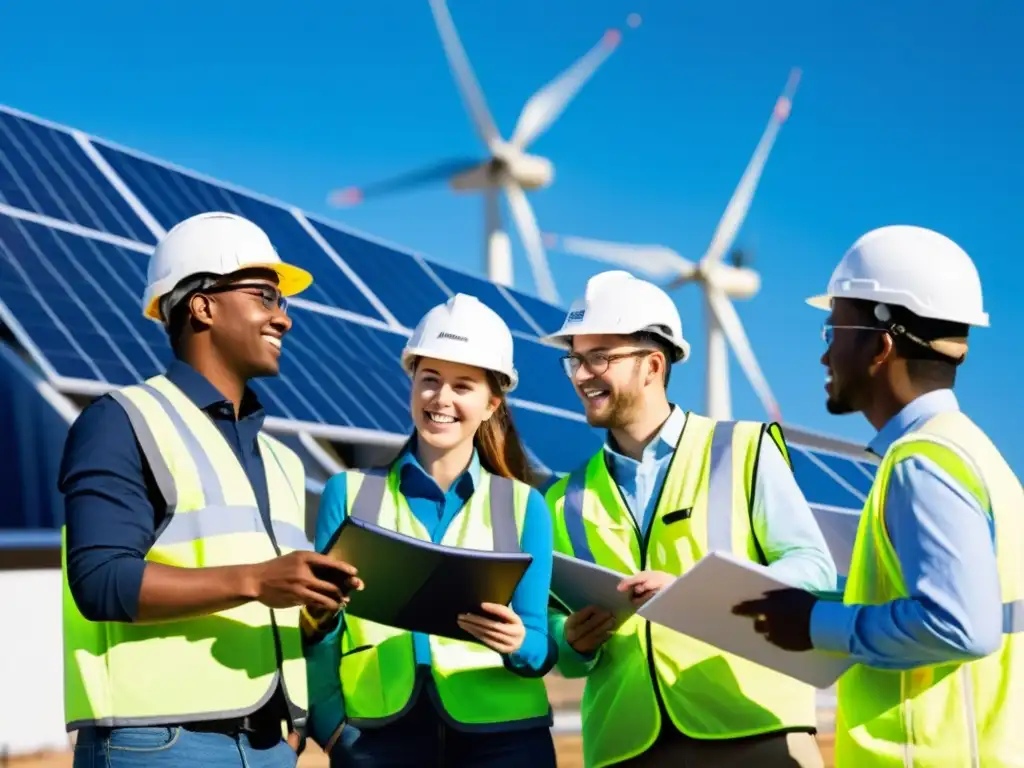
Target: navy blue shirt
(112, 506)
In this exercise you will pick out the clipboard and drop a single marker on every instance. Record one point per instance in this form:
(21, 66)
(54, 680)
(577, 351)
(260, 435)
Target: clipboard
(575, 584)
(699, 604)
(420, 586)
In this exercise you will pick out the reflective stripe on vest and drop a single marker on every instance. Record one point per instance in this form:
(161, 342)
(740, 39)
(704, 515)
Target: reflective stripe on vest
(378, 667)
(646, 669)
(222, 665)
(958, 713)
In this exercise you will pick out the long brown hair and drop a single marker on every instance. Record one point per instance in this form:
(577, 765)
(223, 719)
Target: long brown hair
(498, 443)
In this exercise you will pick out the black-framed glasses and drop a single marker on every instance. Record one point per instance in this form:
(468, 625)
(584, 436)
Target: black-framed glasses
(828, 331)
(270, 294)
(597, 362)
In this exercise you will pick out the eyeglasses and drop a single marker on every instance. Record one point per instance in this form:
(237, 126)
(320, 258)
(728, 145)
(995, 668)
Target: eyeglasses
(270, 294)
(828, 331)
(597, 362)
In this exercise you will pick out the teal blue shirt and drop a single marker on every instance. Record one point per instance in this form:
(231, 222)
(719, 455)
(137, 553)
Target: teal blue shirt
(435, 510)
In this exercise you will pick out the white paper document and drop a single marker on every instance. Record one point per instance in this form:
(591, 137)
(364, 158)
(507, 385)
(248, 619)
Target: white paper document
(700, 602)
(577, 584)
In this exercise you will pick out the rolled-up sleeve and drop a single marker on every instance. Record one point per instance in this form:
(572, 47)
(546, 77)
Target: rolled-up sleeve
(109, 513)
(944, 542)
(786, 529)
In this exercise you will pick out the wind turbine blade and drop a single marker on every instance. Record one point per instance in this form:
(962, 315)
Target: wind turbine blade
(733, 328)
(465, 79)
(529, 232)
(736, 211)
(403, 181)
(655, 260)
(544, 107)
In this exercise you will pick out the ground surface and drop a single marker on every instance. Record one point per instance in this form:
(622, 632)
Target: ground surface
(564, 696)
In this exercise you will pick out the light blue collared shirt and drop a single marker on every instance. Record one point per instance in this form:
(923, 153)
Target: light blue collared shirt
(783, 522)
(945, 544)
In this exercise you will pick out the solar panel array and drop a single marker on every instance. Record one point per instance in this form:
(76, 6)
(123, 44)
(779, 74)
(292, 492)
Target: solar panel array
(79, 217)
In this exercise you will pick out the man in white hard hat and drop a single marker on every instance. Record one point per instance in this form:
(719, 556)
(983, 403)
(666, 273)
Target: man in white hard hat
(185, 555)
(666, 488)
(932, 611)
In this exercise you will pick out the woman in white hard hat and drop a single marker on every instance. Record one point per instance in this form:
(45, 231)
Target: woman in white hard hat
(439, 701)
(933, 612)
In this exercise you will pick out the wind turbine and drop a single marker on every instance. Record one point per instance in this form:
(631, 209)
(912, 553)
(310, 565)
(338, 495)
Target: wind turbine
(719, 281)
(508, 169)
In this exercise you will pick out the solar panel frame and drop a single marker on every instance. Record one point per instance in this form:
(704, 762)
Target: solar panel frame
(530, 316)
(77, 191)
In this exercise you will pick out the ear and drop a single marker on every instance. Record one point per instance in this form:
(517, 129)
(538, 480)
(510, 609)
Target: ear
(885, 352)
(655, 368)
(201, 310)
(492, 407)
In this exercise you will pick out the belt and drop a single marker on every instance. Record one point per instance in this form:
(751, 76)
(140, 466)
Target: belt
(258, 729)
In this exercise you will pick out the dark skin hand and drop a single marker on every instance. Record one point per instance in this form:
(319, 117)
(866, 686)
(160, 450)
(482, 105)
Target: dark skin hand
(298, 578)
(783, 616)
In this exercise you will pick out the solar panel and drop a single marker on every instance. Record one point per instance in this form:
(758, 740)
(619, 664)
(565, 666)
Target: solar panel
(71, 296)
(45, 171)
(561, 444)
(547, 316)
(488, 293)
(396, 277)
(172, 196)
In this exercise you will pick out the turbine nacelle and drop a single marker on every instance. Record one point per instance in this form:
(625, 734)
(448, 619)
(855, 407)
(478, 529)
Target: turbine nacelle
(530, 172)
(734, 282)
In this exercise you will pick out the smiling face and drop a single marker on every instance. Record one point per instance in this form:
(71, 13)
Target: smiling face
(246, 322)
(449, 402)
(610, 375)
(848, 358)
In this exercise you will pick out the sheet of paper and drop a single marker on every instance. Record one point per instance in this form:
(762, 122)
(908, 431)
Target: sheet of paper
(700, 602)
(578, 584)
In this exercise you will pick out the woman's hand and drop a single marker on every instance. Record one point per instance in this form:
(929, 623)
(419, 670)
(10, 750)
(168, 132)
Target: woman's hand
(503, 634)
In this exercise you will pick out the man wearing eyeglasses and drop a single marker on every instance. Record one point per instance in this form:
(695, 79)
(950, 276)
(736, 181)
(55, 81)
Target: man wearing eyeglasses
(184, 551)
(933, 608)
(668, 487)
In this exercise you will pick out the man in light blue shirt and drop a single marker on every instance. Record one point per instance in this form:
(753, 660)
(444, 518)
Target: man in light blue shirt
(622, 345)
(926, 595)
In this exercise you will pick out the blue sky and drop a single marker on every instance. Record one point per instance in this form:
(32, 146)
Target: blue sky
(908, 112)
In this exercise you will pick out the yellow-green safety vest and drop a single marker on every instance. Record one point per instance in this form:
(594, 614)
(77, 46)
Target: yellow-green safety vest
(222, 665)
(949, 715)
(705, 505)
(378, 665)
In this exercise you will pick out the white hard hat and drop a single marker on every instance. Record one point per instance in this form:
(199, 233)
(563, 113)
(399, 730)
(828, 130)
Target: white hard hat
(464, 330)
(910, 267)
(619, 304)
(217, 244)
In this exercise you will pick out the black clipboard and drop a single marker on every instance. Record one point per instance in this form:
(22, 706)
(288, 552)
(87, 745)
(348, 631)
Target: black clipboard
(420, 586)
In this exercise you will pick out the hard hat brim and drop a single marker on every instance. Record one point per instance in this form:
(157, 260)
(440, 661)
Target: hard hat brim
(509, 380)
(291, 280)
(822, 301)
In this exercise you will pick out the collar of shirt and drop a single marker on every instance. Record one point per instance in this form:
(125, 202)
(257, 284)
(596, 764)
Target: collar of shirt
(207, 397)
(415, 482)
(664, 444)
(912, 415)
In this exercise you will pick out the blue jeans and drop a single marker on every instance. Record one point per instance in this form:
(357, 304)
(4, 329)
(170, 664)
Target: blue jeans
(175, 747)
(421, 739)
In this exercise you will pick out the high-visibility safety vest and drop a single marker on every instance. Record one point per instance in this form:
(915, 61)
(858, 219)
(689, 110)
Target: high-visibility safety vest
(949, 715)
(222, 665)
(644, 669)
(378, 665)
